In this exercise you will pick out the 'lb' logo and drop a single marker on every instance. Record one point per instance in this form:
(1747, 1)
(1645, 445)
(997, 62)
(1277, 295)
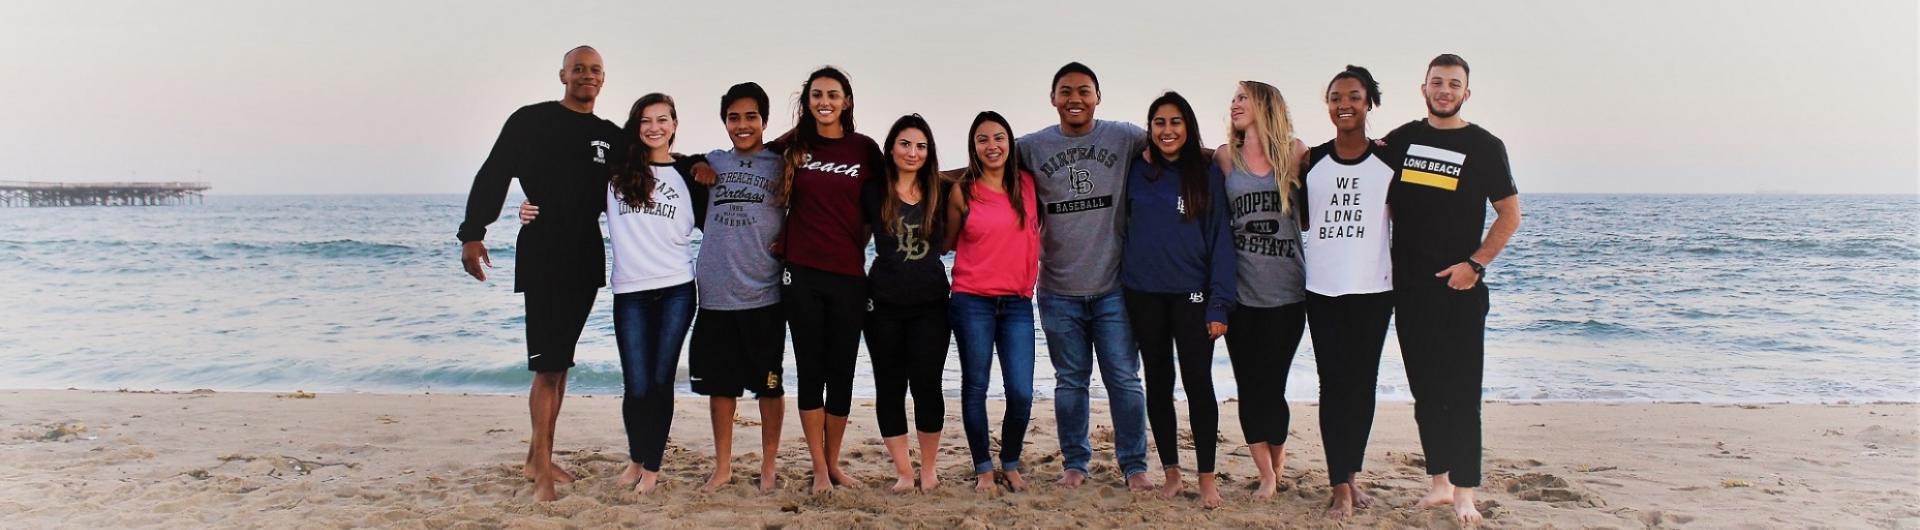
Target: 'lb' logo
(1082, 181)
(1196, 297)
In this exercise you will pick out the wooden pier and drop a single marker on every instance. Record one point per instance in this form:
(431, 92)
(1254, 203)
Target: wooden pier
(15, 194)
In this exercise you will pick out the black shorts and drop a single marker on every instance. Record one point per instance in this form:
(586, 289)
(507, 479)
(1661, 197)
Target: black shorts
(736, 351)
(554, 320)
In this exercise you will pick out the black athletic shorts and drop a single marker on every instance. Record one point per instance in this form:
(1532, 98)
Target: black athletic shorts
(736, 351)
(554, 320)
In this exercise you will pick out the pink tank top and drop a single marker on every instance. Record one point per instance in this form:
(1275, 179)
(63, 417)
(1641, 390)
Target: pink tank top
(995, 256)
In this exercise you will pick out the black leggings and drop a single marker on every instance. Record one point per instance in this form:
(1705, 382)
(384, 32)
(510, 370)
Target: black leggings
(1161, 323)
(908, 345)
(1443, 340)
(824, 313)
(1260, 343)
(1348, 332)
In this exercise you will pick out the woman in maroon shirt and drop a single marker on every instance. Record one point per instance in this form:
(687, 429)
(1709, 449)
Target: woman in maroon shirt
(824, 286)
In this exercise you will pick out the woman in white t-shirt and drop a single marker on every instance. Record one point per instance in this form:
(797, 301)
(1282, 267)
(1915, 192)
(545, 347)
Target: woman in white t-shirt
(1349, 278)
(653, 208)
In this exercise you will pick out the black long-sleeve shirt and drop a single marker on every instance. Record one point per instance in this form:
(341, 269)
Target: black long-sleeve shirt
(560, 157)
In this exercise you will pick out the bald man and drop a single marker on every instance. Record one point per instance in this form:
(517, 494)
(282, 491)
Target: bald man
(558, 150)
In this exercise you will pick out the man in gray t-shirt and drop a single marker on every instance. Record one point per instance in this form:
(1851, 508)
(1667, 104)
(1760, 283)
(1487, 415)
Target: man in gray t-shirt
(1080, 172)
(736, 270)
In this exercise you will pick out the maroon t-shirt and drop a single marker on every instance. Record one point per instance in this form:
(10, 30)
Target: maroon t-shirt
(824, 228)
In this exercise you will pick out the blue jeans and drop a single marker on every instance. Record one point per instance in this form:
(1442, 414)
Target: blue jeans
(1078, 328)
(981, 323)
(650, 326)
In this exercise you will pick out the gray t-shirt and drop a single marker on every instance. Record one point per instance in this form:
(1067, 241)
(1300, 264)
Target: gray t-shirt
(1082, 185)
(1266, 241)
(736, 268)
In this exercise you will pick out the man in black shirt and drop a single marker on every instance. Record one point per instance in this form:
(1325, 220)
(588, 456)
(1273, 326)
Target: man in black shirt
(558, 150)
(1450, 171)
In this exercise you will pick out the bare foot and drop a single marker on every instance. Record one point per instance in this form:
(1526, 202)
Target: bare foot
(1209, 492)
(631, 474)
(1360, 497)
(649, 481)
(543, 491)
(1014, 481)
(929, 479)
(821, 484)
(1267, 486)
(1440, 494)
(559, 474)
(1463, 508)
(1073, 478)
(721, 477)
(1138, 482)
(841, 479)
(983, 484)
(1173, 486)
(1340, 505)
(902, 484)
(769, 482)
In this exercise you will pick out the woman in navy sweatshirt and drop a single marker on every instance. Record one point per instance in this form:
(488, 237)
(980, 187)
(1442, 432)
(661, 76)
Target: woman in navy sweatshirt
(1177, 265)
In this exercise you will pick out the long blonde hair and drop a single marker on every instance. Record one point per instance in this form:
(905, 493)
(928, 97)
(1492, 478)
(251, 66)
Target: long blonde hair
(1275, 134)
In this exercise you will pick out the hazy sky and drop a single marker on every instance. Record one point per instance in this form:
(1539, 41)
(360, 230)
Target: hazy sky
(406, 97)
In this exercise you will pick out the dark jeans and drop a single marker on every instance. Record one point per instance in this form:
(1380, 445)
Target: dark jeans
(984, 326)
(650, 326)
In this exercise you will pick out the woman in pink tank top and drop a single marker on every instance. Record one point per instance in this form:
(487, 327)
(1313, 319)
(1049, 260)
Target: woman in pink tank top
(994, 226)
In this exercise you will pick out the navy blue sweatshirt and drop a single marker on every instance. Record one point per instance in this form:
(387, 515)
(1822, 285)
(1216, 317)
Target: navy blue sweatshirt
(1166, 253)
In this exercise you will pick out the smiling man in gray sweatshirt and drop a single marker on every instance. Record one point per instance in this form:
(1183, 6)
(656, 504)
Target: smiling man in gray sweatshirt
(1080, 170)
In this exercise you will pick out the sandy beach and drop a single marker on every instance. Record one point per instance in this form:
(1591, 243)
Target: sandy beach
(90, 459)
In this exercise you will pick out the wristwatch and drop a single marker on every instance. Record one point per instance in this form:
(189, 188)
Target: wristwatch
(1478, 269)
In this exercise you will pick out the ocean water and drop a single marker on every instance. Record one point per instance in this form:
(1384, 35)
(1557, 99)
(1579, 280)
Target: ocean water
(1599, 297)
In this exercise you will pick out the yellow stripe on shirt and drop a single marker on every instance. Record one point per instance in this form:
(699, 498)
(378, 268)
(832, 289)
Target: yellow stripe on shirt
(1429, 179)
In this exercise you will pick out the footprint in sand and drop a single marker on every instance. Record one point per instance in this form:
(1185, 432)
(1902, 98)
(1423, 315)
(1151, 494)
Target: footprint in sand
(1660, 518)
(1550, 489)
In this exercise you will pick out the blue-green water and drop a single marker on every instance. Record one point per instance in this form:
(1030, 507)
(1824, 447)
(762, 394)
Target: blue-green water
(1719, 298)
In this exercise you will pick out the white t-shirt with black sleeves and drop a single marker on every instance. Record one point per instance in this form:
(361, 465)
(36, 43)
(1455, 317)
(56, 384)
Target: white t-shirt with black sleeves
(1348, 233)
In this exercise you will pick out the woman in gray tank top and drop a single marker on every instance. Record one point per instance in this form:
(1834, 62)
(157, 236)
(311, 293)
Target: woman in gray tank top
(1261, 165)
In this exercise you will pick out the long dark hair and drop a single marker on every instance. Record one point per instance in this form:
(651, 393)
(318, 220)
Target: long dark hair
(1192, 163)
(806, 128)
(1010, 173)
(927, 178)
(632, 174)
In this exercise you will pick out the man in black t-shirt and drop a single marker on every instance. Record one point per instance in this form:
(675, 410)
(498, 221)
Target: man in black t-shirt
(1450, 171)
(558, 150)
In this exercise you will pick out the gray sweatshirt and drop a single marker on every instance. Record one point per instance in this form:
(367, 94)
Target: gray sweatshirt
(1082, 184)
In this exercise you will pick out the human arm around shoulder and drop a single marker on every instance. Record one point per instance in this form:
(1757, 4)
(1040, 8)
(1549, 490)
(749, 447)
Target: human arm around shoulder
(697, 191)
(956, 216)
